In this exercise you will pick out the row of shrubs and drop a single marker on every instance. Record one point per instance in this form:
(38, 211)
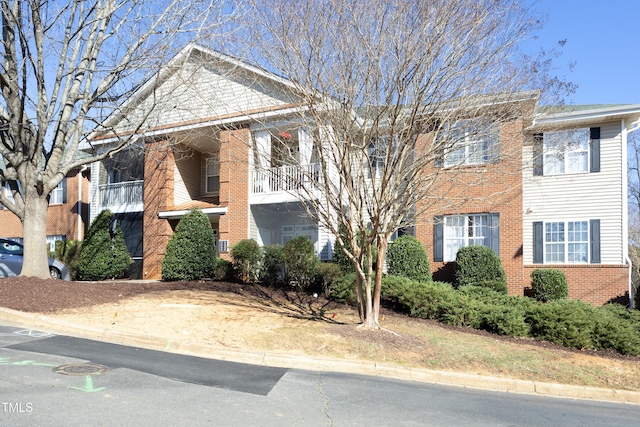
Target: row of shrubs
(477, 299)
(566, 322)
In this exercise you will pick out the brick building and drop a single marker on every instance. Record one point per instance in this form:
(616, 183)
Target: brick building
(216, 143)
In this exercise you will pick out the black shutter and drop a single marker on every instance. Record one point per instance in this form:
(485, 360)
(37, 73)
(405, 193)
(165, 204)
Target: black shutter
(64, 190)
(538, 155)
(594, 228)
(494, 143)
(538, 243)
(438, 239)
(594, 148)
(494, 232)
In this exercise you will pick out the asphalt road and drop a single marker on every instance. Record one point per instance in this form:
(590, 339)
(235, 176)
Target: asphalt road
(49, 380)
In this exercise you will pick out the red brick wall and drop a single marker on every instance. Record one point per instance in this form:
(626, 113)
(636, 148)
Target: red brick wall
(159, 163)
(62, 219)
(234, 185)
(596, 284)
(491, 188)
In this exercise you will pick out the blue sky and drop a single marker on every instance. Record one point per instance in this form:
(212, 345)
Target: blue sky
(602, 39)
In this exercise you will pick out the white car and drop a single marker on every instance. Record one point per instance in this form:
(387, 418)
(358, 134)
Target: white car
(11, 261)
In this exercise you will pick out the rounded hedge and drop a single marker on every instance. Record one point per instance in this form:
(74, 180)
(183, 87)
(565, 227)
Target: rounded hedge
(103, 254)
(300, 260)
(407, 257)
(478, 265)
(191, 251)
(549, 284)
(247, 258)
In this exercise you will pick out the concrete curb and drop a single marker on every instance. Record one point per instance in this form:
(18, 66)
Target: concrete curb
(57, 326)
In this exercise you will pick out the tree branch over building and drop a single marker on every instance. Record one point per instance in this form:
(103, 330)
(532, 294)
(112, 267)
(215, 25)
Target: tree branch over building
(393, 93)
(66, 68)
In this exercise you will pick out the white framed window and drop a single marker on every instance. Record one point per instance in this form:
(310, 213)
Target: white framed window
(464, 230)
(59, 194)
(566, 242)
(472, 143)
(213, 175)
(566, 151)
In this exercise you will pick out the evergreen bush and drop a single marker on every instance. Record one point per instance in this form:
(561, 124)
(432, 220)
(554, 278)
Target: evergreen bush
(191, 251)
(344, 290)
(549, 284)
(327, 275)
(224, 270)
(247, 259)
(565, 322)
(300, 261)
(272, 271)
(103, 254)
(477, 265)
(407, 257)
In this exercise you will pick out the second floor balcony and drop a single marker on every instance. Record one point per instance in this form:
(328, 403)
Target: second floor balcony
(122, 196)
(283, 178)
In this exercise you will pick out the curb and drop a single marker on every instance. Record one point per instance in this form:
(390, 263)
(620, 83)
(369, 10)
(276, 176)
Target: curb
(309, 363)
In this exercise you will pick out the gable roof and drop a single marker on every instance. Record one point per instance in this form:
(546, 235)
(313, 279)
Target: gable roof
(198, 87)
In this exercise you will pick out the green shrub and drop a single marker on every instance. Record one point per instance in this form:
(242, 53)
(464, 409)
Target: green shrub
(224, 270)
(495, 285)
(247, 258)
(477, 265)
(549, 284)
(300, 260)
(191, 251)
(103, 256)
(272, 271)
(613, 331)
(565, 322)
(327, 275)
(68, 251)
(341, 259)
(407, 257)
(506, 320)
(344, 290)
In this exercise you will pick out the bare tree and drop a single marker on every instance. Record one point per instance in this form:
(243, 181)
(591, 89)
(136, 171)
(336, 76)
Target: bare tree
(633, 171)
(66, 68)
(387, 90)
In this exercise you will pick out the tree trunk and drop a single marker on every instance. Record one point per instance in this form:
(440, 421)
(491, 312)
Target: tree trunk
(34, 224)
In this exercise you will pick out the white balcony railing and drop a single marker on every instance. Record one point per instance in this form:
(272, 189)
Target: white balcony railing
(283, 178)
(121, 194)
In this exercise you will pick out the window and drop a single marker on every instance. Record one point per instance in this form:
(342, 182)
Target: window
(51, 242)
(472, 143)
(213, 176)
(59, 194)
(567, 152)
(566, 242)
(457, 231)
(377, 153)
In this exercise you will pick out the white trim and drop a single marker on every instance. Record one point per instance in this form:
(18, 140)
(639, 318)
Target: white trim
(180, 214)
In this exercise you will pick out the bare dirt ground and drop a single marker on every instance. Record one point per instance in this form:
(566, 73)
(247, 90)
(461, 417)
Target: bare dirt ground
(258, 318)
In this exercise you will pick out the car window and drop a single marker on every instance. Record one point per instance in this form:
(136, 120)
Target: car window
(11, 248)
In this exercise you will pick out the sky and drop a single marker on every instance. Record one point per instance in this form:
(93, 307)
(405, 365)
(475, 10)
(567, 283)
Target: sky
(603, 38)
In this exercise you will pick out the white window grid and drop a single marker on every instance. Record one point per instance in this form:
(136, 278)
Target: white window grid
(566, 151)
(464, 230)
(566, 241)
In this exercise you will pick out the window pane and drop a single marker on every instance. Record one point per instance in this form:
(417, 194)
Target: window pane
(554, 242)
(577, 162)
(578, 236)
(553, 164)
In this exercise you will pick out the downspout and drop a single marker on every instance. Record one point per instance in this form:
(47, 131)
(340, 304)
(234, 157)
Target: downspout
(83, 169)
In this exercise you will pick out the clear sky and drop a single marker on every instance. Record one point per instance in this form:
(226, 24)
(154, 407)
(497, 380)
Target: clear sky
(603, 39)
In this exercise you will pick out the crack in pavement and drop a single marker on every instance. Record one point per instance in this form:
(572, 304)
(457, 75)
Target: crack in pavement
(325, 398)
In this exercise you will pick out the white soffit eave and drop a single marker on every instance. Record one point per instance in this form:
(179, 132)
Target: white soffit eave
(180, 214)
